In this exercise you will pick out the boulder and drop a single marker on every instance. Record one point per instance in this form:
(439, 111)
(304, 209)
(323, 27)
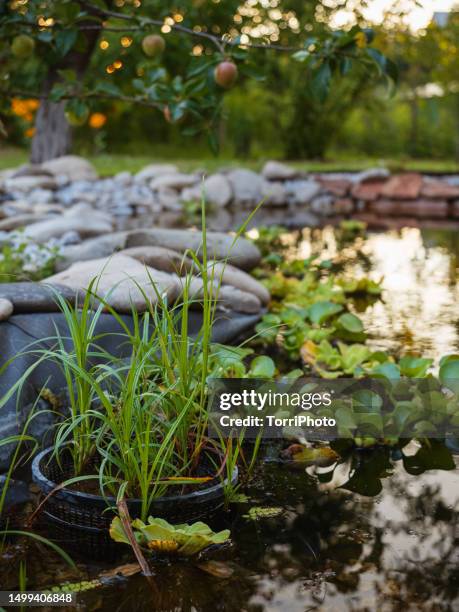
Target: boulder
(247, 186)
(231, 275)
(276, 171)
(31, 170)
(26, 184)
(94, 248)
(369, 190)
(228, 296)
(174, 181)
(372, 174)
(439, 189)
(302, 192)
(220, 246)
(337, 187)
(11, 223)
(343, 206)
(169, 199)
(274, 194)
(217, 190)
(6, 309)
(152, 171)
(121, 281)
(73, 167)
(403, 186)
(323, 205)
(160, 258)
(82, 219)
(33, 297)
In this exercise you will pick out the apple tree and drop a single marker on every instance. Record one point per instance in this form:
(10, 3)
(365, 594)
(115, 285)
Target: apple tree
(177, 58)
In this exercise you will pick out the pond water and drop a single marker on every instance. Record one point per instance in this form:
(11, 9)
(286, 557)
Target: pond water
(380, 531)
(419, 269)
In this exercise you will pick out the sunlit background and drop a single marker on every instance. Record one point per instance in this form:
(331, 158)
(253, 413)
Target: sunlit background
(376, 11)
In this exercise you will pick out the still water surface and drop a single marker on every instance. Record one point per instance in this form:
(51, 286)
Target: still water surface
(380, 532)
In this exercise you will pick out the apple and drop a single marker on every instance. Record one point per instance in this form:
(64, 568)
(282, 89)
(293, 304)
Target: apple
(153, 45)
(225, 74)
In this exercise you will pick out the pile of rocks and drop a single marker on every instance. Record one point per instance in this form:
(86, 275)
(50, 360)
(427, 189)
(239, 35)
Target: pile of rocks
(113, 227)
(65, 195)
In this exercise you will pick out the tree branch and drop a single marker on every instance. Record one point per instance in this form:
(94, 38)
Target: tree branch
(218, 41)
(89, 95)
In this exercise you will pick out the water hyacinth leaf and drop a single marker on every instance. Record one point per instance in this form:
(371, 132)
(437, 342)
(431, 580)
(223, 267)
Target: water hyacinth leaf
(262, 367)
(190, 539)
(351, 323)
(449, 373)
(366, 400)
(414, 367)
(388, 370)
(321, 311)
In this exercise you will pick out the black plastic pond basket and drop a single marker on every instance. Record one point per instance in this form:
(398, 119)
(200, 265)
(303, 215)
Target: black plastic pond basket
(80, 521)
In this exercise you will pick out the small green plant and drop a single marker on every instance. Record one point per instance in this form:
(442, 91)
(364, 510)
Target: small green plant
(160, 536)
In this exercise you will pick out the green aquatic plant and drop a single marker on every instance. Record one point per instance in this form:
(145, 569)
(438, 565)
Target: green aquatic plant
(257, 513)
(160, 536)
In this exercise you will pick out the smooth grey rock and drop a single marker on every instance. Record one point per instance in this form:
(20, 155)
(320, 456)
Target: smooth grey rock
(17, 493)
(302, 192)
(174, 181)
(41, 196)
(227, 296)
(247, 186)
(277, 171)
(12, 223)
(274, 194)
(154, 170)
(31, 170)
(6, 309)
(94, 248)
(75, 168)
(26, 184)
(323, 205)
(121, 281)
(231, 275)
(34, 297)
(82, 219)
(371, 174)
(168, 199)
(241, 252)
(217, 190)
(160, 258)
(123, 178)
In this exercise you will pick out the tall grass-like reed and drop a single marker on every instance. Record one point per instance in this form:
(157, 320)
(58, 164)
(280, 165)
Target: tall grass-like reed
(142, 422)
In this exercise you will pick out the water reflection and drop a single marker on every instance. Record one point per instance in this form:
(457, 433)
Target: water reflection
(420, 271)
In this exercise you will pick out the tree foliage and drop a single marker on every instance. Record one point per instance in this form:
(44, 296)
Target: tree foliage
(79, 52)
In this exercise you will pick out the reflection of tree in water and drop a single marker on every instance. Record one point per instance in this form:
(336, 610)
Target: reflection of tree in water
(426, 570)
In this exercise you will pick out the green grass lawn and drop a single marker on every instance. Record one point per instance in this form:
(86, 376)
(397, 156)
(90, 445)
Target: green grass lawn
(108, 164)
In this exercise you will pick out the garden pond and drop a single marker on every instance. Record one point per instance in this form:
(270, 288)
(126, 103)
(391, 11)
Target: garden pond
(376, 532)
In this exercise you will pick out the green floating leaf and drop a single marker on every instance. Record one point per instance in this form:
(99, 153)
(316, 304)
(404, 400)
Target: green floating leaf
(449, 372)
(321, 311)
(350, 322)
(158, 534)
(262, 367)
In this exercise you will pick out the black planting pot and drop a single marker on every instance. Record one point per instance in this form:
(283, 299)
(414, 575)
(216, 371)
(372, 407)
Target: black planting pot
(80, 521)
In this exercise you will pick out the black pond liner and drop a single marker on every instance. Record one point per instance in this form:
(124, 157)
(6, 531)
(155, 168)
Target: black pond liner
(80, 522)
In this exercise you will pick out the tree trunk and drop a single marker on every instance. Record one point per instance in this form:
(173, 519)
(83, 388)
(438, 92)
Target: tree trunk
(53, 136)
